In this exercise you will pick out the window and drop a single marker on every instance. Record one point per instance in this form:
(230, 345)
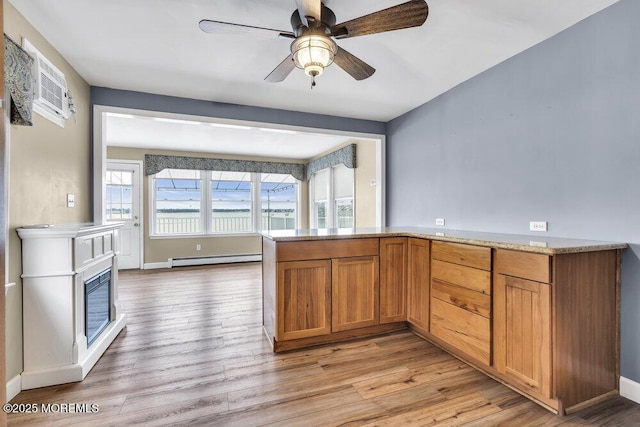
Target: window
(320, 198)
(119, 195)
(343, 196)
(178, 202)
(237, 202)
(332, 204)
(231, 202)
(278, 199)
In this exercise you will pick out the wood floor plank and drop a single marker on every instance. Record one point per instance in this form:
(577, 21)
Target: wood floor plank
(409, 378)
(452, 412)
(285, 412)
(193, 353)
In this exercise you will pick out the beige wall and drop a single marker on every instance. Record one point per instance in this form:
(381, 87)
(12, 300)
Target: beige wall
(45, 162)
(365, 193)
(159, 250)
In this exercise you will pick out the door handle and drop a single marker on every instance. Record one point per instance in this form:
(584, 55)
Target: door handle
(135, 224)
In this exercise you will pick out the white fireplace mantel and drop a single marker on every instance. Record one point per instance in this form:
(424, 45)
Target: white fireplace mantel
(56, 262)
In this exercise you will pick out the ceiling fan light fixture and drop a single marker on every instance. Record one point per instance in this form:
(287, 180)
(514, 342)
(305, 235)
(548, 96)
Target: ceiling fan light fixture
(313, 53)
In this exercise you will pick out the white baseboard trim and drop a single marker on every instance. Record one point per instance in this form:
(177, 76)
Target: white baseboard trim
(630, 389)
(13, 387)
(206, 260)
(156, 265)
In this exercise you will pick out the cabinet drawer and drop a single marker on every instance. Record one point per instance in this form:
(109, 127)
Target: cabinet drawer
(469, 255)
(326, 249)
(472, 301)
(467, 277)
(525, 265)
(467, 332)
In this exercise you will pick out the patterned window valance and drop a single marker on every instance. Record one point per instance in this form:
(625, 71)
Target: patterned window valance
(155, 163)
(346, 155)
(19, 80)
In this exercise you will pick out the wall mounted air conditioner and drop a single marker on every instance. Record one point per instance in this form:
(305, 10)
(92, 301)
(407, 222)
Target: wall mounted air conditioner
(51, 96)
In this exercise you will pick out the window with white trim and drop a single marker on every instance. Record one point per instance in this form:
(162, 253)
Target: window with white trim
(279, 202)
(177, 207)
(320, 184)
(236, 202)
(231, 206)
(332, 198)
(119, 201)
(343, 196)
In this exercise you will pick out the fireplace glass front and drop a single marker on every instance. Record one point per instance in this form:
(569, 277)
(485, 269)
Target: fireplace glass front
(97, 305)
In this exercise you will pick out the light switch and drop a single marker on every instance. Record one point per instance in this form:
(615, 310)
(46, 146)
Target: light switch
(71, 200)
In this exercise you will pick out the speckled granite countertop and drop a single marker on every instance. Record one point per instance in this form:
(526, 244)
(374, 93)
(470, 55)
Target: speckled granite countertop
(529, 243)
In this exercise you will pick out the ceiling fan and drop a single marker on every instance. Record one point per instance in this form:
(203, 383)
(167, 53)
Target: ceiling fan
(314, 33)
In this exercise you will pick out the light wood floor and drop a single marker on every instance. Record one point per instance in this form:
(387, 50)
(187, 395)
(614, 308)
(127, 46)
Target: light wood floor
(193, 353)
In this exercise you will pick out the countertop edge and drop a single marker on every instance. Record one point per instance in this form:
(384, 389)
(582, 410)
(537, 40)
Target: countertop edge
(587, 246)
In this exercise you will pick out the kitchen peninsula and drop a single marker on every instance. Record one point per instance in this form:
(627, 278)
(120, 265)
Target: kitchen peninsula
(539, 314)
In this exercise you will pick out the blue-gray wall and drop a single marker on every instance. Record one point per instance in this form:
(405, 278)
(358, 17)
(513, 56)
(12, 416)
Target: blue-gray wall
(171, 104)
(551, 134)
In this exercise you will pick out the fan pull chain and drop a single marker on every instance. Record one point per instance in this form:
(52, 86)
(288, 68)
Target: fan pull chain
(313, 82)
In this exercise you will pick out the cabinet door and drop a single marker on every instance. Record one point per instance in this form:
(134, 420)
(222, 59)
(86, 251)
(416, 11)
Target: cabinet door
(393, 279)
(418, 283)
(522, 332)
(304, 299)
(355, 290)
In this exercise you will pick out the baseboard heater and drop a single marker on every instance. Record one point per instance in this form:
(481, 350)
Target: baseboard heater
(205, 260)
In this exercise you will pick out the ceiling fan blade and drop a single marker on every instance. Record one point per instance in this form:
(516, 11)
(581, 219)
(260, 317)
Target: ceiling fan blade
(309, 8)
(356, 67)
(218, 27)
(406, 15)
(282, 70)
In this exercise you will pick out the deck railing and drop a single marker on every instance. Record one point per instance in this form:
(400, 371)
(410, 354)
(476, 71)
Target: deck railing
(231, 224)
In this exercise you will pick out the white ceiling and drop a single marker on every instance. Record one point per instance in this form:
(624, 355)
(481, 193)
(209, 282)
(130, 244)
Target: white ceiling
(221, 137)
(156, 46)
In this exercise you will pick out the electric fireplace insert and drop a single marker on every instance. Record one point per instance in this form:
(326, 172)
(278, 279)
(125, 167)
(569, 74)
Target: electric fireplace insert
(97, 303)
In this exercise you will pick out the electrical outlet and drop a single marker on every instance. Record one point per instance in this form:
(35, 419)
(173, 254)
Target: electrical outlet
(198, 247)
(439, 221)
(538, 226)
(71, 200)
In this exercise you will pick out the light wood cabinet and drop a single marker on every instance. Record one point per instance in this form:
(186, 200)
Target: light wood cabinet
(522, 320)
(461, 298)
(555, 325)
(304, 299)
(355, 293)
(318, 291)
(393, 279)
(546, 324)
(418, 299)
(522, 332)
